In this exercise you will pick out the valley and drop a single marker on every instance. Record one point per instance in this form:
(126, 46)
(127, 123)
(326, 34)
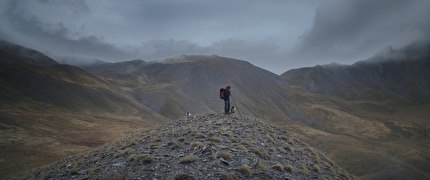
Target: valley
(370, 118)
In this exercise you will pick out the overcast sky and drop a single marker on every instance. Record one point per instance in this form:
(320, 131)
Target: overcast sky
(276, 35)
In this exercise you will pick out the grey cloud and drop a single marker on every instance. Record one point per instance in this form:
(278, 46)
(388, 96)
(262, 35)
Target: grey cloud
(347, 31)
(264, 33)
(118, 30)
(244, 47)
(78, 6)
(159, 48)
(237, 48)
(56, 39)
(260, 53)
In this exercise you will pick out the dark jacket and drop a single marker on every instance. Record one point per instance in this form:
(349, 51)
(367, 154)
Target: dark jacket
(226, 94)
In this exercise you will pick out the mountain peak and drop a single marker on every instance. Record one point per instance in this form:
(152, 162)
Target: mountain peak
(12, 53)
(194, 58)
(204, 146)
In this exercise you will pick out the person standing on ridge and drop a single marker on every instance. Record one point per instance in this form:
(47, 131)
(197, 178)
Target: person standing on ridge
(227, 100)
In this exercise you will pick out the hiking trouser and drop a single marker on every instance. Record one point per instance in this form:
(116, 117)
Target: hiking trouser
(226, 105)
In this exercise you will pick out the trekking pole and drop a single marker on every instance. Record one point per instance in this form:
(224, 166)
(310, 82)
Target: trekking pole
(234, 102)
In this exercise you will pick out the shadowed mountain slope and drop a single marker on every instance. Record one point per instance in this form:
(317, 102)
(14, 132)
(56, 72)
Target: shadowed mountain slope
(49, 110)
(404, 73)
(39, 78)
(373, 128)
(376, 111)
(191, 83)
(205, 146)
(347, 126)
(12, 53)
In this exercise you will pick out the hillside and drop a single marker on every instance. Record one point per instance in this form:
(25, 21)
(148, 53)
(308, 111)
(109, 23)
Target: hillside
(404, 73)
(205, 146)
(49, 110)
(367, 121)
(372, 124)
(370, 117)
(191, 83)
(14, 54)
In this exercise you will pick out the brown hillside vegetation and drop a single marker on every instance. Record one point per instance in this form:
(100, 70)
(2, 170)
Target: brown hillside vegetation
(361, 118)
(370, 118)
(206, 146)
(49, 111)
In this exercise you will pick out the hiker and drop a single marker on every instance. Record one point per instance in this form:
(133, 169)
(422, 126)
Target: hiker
(227, 100)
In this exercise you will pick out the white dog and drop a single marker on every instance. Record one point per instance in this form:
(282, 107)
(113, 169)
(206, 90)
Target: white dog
(188, 114)
(233, 109)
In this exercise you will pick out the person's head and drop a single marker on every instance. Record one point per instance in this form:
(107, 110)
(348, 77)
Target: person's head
(228, 87)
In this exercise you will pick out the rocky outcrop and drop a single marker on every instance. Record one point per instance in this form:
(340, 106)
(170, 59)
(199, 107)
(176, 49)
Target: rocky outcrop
(208, 146)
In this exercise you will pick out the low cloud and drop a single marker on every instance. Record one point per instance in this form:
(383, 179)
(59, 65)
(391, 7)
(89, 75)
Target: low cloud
(347, 31)
(275, 35)
(55, 39)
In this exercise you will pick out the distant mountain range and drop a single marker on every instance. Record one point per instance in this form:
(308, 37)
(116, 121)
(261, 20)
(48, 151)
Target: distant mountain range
(404, 73)
(49, 110)
(29, 74)
(191, 83)
(370, 117)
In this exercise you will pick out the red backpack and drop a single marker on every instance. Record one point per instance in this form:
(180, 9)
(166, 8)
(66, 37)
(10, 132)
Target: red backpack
(221, 93)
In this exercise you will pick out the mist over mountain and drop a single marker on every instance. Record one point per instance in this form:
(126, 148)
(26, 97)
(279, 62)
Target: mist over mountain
(404, 72)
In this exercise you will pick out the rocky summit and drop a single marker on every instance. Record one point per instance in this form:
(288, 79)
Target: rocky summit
(209, 146)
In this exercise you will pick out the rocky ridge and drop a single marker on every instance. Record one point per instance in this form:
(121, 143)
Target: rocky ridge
(208, 146)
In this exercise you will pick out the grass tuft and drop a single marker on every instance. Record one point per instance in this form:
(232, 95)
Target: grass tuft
(282, 150)
(225, 155)
(227, 176)
(260, 151)
(234, 139)
(147, 158)
(289, 168)
(114, 176)
(173, 145)
(242, 147)
(94, 170)
(183, 176)
(181, 139)
(188, 159)
(197, 144)
(215, 139)
(291, 149)
(316, 168)
(74, 170)
(126, 152)
(279, 167)
(200, 135)
(271, 139)
(262, 165)
(156, 139)
(290, 141)
(304, 170)
(283, 137)
(245, 169)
